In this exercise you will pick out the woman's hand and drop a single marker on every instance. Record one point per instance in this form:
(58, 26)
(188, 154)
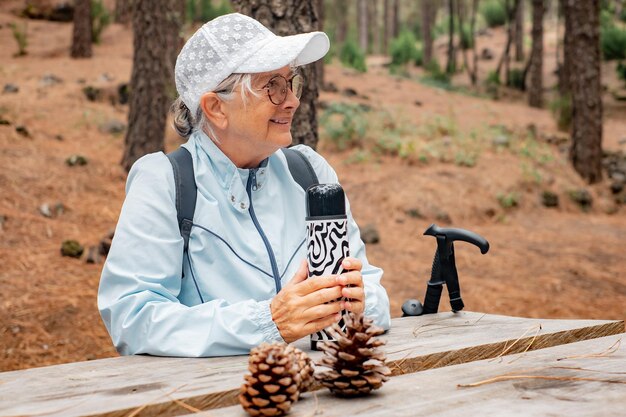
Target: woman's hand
(352, 283)
(305, 306)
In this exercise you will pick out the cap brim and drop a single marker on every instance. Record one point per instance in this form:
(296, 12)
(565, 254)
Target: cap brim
(281, 51)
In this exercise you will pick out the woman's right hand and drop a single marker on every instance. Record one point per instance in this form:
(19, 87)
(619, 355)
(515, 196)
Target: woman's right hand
(305, 306)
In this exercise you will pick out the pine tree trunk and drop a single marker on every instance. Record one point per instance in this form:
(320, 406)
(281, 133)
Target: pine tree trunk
(586, 149)
(472, 70)
(289, 17)
(374, 29)
(342, 21)
(504, 59)
(387, 27)
(319, 65)
(451, 64)
(519, 33)
(535, 97)
(428, 12)
(81, 36)
(395, 19)
(156, 25)
(362, 24)
(566, 69)
(122, 11)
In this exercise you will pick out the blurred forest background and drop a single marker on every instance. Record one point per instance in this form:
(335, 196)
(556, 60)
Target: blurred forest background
(505, 117)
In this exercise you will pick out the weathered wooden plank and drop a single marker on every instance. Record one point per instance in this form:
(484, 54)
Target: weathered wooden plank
(436, 392)
(120, 386)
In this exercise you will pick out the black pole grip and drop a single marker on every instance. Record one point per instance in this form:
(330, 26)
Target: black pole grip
(456, 303)
(432, 298)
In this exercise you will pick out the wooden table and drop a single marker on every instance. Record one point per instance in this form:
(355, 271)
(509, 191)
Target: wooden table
(148, 386)
(567, 380)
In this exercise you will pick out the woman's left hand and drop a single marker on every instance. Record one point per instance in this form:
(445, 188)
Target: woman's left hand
(352, 281)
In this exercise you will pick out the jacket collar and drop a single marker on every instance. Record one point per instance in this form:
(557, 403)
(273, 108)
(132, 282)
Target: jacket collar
(230, 177)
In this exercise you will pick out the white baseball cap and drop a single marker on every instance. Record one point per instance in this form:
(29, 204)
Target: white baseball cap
(235, 43)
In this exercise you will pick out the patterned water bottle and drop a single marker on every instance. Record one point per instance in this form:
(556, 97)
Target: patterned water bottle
(327, 237)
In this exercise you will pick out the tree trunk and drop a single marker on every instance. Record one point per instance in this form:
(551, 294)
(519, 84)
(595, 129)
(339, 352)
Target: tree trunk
(289, 17)
(519, 32)
(395, 16)
(472, 71)
(342, 21)
(586, 149)
(429, 11)
(535, 97)
(451, 65)
(319, 65)
(566, 69)
(81, 35)
(156, 25)
(374, 28)
(362, 24)
(387, 26)
(507, 49)
(122, 11)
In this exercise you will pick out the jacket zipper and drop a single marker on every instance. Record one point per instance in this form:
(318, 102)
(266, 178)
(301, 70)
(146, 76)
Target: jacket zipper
(249, 186)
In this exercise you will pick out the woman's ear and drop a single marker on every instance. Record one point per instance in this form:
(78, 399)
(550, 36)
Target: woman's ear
(213, 109)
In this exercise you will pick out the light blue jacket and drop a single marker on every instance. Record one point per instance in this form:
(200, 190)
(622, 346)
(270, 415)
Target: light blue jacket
(220, 306)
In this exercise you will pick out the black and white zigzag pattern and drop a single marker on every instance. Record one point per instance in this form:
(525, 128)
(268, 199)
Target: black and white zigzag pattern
(327, 246)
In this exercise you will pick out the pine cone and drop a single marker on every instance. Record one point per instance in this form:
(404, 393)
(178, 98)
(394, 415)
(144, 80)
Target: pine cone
(274, 381)
(357, 366)
(305, 367)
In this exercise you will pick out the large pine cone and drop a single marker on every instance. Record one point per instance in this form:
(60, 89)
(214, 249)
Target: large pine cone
(357, 366)
(274, 380)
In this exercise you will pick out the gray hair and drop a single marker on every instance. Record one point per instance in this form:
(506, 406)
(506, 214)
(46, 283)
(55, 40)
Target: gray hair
(185, 123)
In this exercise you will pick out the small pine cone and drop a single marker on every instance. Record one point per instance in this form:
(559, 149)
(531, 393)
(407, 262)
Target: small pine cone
(357, 366)
(305, 368)
(272, 385)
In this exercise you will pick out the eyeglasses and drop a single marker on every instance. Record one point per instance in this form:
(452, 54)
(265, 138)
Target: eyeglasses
(277, 88)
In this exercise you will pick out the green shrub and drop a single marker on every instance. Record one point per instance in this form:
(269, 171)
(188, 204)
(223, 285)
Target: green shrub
(508, 200)
(516, 78)
(352, 56)
(344, 124)
(419, 57)
(621, 71)
(404, 50)
(561, 108)
(20, 35)
(464, 158)
(494, 13)
(209, 12)
(467, 40)
(191, 10)
(100, 18)
(442, 25)
(492, 78)
(613, 42)
(435, 72)
(416, 28)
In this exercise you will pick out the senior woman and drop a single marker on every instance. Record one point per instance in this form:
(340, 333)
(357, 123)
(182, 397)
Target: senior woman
(243, 279)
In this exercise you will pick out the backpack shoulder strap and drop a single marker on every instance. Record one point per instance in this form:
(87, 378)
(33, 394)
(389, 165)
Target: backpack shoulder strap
(300, 168)
(186, 190)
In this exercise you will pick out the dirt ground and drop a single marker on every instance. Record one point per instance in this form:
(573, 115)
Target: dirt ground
(544, 262)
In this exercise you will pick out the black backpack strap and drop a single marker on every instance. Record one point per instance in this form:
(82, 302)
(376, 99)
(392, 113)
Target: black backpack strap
(186, 190)
(300, 168)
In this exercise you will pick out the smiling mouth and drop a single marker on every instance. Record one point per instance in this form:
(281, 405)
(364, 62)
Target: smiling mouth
(281, 121)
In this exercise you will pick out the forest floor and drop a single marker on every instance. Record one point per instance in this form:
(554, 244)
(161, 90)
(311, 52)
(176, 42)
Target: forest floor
(429, 155)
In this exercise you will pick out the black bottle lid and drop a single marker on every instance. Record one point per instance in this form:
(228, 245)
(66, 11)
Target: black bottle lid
(325, 200)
